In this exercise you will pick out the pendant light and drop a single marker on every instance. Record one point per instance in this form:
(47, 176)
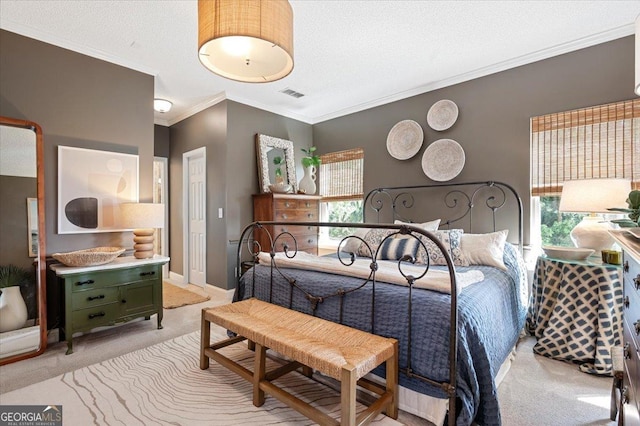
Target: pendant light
(246, 40)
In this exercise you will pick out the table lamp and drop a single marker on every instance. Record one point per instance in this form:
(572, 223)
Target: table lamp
(143, 218)
(593, 196)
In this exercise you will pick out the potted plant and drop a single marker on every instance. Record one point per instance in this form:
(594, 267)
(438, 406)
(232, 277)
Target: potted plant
(309, 162)
(278, 161)
(633, 212)
(310, 158)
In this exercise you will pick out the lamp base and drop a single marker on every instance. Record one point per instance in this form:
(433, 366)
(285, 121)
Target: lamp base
(143, 239)
(593, 233)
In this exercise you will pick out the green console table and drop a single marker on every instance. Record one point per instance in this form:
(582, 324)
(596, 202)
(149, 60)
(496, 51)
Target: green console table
(119, 291)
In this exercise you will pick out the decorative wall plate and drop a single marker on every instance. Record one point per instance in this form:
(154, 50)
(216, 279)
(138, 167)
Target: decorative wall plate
(442, 115)
(443, 160)
(405, 139)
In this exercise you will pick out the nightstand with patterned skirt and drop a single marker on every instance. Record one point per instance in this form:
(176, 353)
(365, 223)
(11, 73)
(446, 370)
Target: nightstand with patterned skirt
(576, 312)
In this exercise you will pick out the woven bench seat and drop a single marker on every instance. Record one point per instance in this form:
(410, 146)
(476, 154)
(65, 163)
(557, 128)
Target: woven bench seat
(338, 351)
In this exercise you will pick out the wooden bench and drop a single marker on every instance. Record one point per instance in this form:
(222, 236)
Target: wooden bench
(338, 351)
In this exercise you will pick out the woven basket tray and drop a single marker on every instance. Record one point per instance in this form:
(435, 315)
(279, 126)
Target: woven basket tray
(89, 257)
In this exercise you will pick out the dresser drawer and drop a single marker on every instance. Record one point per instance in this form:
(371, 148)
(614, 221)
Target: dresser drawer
(102, 279)
(297, 230)
(94, 297)
(293, 204)
(299, 215)
(304, 242)
(630, 409)
(631, 275)
(86, 319)
(631, 310)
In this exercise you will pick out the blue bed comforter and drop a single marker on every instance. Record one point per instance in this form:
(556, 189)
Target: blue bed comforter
(491, 314)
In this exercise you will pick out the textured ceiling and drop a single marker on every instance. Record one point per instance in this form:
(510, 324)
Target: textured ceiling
(349, 55)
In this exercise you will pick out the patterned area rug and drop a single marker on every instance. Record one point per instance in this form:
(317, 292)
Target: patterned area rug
(163, 385)
(174, 296)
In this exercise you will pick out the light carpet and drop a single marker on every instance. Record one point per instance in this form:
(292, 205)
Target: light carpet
(163, 384)
(175, 297)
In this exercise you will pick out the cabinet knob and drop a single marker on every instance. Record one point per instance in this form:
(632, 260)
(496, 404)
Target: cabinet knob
(636, 281)
(626, 301)
(309, 240)
(625, 268)
(284, 216)
(286, 204)
(310, 215)
(308, 204)
(85, 282)
(99, 314)
(637, 326)
(124, 300)
(144, 274)
(626, 353)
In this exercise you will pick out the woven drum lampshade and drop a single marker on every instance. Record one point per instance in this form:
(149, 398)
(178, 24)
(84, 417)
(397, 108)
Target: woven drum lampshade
(246, 40)
(143, 218)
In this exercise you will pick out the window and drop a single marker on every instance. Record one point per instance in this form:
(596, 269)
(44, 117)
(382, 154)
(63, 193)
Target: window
(596, 142)
(341, 188)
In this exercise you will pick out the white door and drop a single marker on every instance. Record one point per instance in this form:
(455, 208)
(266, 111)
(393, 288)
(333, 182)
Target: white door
(160, 195)
(195, 232)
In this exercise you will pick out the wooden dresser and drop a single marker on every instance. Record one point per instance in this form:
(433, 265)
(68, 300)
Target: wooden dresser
(288, 208)
(630, 401)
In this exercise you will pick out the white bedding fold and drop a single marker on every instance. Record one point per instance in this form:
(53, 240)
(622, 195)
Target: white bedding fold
(436, 280)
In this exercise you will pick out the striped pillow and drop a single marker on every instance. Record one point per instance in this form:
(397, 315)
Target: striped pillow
(396, 248)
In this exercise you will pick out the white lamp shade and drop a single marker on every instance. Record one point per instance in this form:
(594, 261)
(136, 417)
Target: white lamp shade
(594, 195)
(246, 40)
(142, 215)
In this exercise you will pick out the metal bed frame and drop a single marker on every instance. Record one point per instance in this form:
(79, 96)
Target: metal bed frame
(462, 198)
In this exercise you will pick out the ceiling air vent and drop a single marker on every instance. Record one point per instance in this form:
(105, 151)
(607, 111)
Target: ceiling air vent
(293, 93)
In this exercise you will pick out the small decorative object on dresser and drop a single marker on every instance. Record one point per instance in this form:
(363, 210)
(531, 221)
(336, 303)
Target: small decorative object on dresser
(120, 291)
(630, 400)
(144, 219)
(310, 163)
(288, 208)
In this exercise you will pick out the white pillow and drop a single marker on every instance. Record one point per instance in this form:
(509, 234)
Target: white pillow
(485, 249)
(353, 244)
(427, 226)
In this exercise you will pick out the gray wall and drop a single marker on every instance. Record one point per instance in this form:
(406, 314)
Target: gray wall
(227, 130)
(493, 124)
(161, 137)
(78, 101)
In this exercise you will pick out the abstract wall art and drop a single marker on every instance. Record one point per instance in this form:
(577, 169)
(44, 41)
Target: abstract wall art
(91, 186)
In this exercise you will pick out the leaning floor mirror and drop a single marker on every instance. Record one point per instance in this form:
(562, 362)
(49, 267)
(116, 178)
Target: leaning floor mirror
(23, 319)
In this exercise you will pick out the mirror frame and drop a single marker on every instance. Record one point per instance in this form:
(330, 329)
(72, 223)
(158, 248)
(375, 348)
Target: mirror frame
(41, 285)
(262, 143)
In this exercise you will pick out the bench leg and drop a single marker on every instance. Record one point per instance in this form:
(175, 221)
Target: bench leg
(205, 336)
(250, 345)
(392, 383)
(258, 374)
(348, 397)
(307, 371)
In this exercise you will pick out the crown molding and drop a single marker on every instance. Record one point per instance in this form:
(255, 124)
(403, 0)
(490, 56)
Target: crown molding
(539, 55)
(195, 109)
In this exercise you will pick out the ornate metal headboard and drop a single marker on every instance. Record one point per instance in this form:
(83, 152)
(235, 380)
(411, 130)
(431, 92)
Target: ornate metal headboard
(473, 206)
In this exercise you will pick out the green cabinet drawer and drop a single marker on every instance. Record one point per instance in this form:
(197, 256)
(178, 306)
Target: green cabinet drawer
(94, 297)
(86, 319)
(102, 279)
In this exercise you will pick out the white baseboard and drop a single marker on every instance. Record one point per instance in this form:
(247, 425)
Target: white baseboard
(226, 294)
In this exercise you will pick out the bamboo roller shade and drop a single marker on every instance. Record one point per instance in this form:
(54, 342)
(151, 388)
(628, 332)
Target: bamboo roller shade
(341, 175)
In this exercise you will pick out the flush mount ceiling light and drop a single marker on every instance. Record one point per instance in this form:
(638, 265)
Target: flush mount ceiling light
(246, 40)
(162, 105)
